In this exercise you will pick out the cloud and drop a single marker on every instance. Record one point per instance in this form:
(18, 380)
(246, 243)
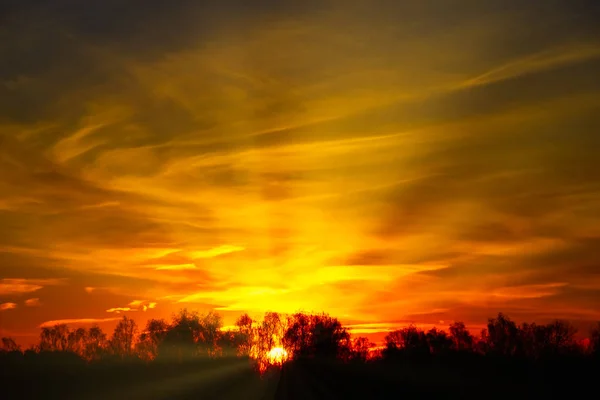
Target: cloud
(76, 321)
(35, 302)
(538, 62)
(176, 267)
(119, 310)
(149, 306)
(20, 286)
(215, 252)
(7, 306)
(529, 291)
(134, 305)
(144, 304)
(302, 160)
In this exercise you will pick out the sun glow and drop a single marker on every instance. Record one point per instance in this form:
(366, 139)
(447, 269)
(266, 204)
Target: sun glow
(277, 356)
(268, 350)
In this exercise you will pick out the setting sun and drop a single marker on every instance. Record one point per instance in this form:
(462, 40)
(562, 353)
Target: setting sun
(277, 356)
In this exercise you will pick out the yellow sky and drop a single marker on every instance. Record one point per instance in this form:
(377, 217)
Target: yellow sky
(384, 162)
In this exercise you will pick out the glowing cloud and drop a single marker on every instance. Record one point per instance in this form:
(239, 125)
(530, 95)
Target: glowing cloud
(35, 302)
(175, 267)
(119, 310)
(18, 286)
(380, 175)
(7, 306)
(215, 252)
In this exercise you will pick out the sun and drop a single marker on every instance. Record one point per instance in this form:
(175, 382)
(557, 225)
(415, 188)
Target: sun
(277, 356)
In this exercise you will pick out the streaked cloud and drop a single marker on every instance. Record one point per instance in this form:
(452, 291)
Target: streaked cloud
(76, 321)
(176, 267)
(529, 291)
(216, 251)
(537, 62)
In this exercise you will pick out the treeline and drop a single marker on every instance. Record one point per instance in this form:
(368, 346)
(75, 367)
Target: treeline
(190, 335)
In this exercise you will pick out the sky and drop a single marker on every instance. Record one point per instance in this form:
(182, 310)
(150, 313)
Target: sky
(386, 162)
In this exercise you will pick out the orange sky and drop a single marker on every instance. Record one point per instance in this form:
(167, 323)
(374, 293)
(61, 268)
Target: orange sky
(387, 162)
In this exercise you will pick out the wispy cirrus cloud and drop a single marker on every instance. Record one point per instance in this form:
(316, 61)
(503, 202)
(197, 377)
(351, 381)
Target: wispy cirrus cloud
(296, 164)
(537, 62)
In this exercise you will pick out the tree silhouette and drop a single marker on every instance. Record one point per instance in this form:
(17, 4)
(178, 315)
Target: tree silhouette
(181, 336)
(54, 338)
(244, 335)
(462, 340)
(560, 337)
(317, 336)
(9, 345)
(76, 341)
(329, 338)
(96, 343)
(297, 337)
(409, 341)
(189, 334)
(439, 341)
(227, 344)
(210, 326)
(534, 340)
(123, 339)
(269, 334)
(151, 338)
(361, 348)
(502, 336)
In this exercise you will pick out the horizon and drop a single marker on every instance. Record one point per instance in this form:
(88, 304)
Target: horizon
(375, 334)
(384, 163)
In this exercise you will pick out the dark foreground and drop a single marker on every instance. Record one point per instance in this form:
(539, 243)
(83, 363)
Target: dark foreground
(233, 378)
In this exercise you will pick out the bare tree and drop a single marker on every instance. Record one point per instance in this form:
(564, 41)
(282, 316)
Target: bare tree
(503, 336)
(462, 340)
(9, 345)
(210, 326)
(54, 338)
(409, 340)
(361, 348)
(245, 334)
(560, 337)
(298, 334)
(151, 338)
(96, 343)
(123, 338)
(77, 340)
(439, 341)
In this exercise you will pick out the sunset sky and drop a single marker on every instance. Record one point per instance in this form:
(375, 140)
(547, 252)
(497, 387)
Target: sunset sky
(383, 161)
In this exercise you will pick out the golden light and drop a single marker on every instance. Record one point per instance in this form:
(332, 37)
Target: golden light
(277, 356)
